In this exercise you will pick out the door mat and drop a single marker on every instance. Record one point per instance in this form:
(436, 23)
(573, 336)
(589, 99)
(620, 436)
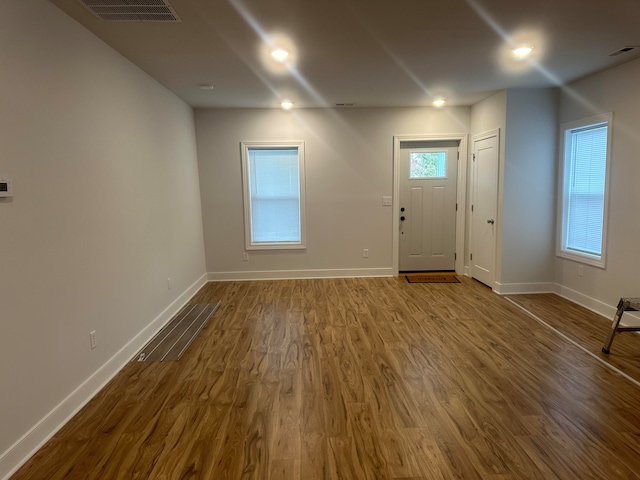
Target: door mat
(173, 340)
(432, 278)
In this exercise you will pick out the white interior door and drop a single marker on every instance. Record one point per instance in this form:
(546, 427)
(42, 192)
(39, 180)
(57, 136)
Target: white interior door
(484, 208)
(428, 178)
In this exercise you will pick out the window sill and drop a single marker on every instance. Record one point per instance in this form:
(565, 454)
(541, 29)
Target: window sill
(276, 246)
(596, 261)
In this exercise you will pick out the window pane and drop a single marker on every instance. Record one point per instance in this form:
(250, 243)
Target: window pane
(274, 177)
(427, 164)
(585, 213)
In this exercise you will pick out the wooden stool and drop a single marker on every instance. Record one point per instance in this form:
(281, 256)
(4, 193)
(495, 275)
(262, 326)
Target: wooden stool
(626, 304)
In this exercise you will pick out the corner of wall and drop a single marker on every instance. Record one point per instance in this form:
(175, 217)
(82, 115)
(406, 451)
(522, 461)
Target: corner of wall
(41, 432)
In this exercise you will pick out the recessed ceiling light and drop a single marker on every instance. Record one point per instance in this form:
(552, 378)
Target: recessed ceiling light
(279, 54)
(522, 52)
(287, 104)
(206, 87)
(438, 102)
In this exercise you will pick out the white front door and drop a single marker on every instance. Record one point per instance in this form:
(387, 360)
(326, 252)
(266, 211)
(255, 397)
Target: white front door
(484, 208)
(428, 178)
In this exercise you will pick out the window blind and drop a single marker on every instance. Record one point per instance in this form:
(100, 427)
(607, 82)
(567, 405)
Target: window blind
(585, 212)
(274, 178)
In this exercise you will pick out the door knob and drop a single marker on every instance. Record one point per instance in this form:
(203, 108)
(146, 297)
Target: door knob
(491, 221)
(402, 218)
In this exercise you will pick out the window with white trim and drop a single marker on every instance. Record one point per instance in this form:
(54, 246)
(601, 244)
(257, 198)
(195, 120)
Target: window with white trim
(583, 197)
(273, 187)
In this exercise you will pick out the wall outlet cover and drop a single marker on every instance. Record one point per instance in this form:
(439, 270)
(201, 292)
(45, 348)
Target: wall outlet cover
(6, 189)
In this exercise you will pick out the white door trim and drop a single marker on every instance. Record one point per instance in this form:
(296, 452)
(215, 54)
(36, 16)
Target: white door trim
(476, 138)
(461, 191)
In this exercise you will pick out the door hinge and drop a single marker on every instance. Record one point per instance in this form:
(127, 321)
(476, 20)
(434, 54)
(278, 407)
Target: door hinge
(458, 155)
(456, 207)
(472, 208)
(474, 156)
(455, 256)
(471, 256)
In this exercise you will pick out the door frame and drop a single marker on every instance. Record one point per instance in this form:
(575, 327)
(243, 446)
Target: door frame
(472, 192)
(461, 192)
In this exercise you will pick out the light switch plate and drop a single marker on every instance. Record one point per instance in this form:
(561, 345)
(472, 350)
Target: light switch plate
(386, 201)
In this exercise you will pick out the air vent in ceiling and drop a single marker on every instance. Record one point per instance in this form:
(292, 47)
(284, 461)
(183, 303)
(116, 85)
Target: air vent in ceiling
(132, 10)
(345, 104)
(622, 50)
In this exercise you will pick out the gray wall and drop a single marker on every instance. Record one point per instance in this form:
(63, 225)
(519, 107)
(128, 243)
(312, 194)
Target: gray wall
(528, 187)
(107, 204)
(106, 207)
(614, 90)
(487, 115)
(526, 119)
(349, 157)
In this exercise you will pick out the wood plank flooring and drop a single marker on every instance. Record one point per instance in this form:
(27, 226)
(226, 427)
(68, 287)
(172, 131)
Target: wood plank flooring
(357, 379)
(587, 328)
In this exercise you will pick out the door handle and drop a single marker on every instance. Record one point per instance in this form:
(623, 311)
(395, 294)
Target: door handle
(491, 221)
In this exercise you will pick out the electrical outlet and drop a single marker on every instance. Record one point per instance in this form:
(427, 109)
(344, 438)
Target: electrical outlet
(245, 257)
(580, 270)
(5, 188)
(365, 253)
(168, 283)
(93, 340)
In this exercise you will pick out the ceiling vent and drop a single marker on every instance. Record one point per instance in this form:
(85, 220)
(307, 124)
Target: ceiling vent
(345, 104)
(132, 10)
(622, 50)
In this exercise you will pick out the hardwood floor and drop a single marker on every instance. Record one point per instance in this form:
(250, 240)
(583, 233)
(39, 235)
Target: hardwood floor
(588, 329)
(358, 379)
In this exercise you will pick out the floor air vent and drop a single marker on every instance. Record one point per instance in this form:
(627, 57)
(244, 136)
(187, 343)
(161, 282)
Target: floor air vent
(132, 10)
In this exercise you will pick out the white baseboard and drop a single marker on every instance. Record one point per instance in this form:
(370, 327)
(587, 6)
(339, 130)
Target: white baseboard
(516, 288)
(300, 274)
(601, 308)
(596, 306)
(12, 459)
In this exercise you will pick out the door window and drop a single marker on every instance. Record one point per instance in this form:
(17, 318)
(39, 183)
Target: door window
(428, 164)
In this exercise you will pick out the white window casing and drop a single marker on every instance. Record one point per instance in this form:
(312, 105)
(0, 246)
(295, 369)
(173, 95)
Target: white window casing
(273, 183)
(585, 163)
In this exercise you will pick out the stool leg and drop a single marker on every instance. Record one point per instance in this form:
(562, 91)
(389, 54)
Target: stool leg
(614, 327)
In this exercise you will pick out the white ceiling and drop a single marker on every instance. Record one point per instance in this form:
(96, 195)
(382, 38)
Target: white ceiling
(369, 52)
